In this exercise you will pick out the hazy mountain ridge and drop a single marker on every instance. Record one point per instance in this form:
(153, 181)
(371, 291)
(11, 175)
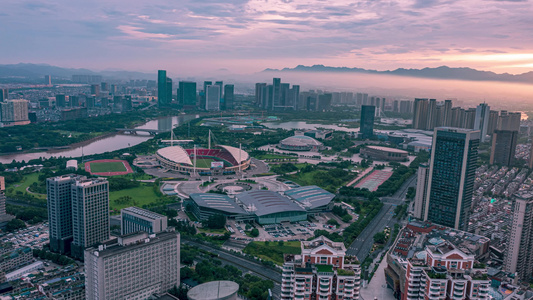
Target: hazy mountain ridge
(33, 71)
(442, 72)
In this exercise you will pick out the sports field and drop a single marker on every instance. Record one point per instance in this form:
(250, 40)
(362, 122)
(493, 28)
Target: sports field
(108, 167)
(203, 162)
(114, 166)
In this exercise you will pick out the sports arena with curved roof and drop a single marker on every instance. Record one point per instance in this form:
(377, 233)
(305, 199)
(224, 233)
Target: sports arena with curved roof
(270, 207)
(218, 160)
(300, 143)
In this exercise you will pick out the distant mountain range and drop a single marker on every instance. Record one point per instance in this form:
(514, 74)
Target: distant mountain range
(34, 71)
(442, 72)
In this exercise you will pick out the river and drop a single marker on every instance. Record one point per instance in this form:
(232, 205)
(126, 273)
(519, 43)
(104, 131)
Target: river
(106, 144)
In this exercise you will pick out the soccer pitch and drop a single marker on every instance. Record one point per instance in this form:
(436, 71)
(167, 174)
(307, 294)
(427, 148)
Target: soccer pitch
(103, 167)
(203, 162)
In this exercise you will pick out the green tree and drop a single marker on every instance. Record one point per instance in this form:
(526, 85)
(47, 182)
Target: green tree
(380, 238)
(15, 224)
(216, 221)
(254, 232)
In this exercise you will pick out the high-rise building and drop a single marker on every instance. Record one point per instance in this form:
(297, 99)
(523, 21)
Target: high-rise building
(229, 96)
(59, 204)
(321, 271)
(163, 82)
(447, 119)
(503, 147)
(367, 121)
(259, 87)
(90, 101)
(519, 255)
(221, 86)
(95, 90)
(451, 176)
(470, 118)
(14, 112)
(47, 79)
(481, 121)
(493, 121)
(212, 96)
(420, 113)
(530, 160)
(324, 102)
(187, 93)
(406, 106)
(421, 191)
(74, 101)
(61, 100)
(136, 219)
(431, 114)
(276, 93)
(90, 214)
(133, 266)
(4, 217)
(295, 97)
(4, 94)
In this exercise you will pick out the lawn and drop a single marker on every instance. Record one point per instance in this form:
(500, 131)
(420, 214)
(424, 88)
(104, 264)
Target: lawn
(26, 182)
(138, 196)
(102, 167)
(203, 162)
(272, 251)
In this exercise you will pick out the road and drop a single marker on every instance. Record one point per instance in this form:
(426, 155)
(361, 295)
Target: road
(243, 263)
(363, 243)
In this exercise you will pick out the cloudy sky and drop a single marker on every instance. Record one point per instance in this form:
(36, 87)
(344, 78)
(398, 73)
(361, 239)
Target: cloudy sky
(244, 36)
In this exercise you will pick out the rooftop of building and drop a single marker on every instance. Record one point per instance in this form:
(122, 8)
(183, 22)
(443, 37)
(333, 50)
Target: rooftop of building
(322, 240)
(388, 149)
(310, 197)
(416, 236)
(217, 201)
(130, 242)
(142, 212)
(213, 290)
(301, 140)
(262, 202)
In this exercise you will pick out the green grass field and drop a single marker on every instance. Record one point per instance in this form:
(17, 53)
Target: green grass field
(203, 162)
(140, 196)
(102, 167)
(26, 182)
(273, 251)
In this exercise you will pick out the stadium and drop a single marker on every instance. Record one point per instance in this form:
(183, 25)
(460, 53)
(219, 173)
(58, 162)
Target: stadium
(215, 161)
(263, 206)
(301, 143)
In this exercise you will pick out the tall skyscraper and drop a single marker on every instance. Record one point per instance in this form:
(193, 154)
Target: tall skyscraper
(133, 266)
(447, 120)
(259, 93)
(4, 94)
(481, 121)
(162, 89)
(59, 204)
(136, 219)
(367, 121)
(4, 217)
(74, 101)
(451, 178)
(503, 147)
(221, 86)
(187, 93)
(493, 121)
(519, 255)
(203, 95)
(90, 214)
(47, 79)
(421, 191)
(229, 96)
(212, 96)
(321, 271)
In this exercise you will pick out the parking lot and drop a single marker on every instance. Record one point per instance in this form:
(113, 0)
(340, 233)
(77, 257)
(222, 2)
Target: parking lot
(34, 236)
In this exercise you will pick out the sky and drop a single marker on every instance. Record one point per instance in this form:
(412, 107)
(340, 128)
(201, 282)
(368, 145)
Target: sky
(195, 37)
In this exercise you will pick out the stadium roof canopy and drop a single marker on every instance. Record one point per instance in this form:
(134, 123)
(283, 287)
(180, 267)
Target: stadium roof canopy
(262, 202)
(235, 153)
(300, 140)
(217, 202)
(176, 154)
(310, 196)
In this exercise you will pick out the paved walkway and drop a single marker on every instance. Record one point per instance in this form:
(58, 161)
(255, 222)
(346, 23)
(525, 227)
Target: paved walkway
(377, 288)
(366, 171)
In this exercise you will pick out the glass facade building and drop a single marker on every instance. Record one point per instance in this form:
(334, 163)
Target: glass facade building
(367, 121)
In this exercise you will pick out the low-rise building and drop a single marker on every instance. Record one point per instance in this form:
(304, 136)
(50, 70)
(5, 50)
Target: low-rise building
(136, 219)
(384, 153)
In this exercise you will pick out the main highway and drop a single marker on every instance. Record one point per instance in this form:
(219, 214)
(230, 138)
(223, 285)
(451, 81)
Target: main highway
(363, 243)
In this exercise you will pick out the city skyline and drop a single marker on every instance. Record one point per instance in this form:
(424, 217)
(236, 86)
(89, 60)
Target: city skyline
(248, 36)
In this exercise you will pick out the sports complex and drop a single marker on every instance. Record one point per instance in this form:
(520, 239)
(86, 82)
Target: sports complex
(263, 206)
(212, 161)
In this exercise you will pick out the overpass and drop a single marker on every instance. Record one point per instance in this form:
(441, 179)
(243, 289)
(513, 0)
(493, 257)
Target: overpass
(136, 131)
